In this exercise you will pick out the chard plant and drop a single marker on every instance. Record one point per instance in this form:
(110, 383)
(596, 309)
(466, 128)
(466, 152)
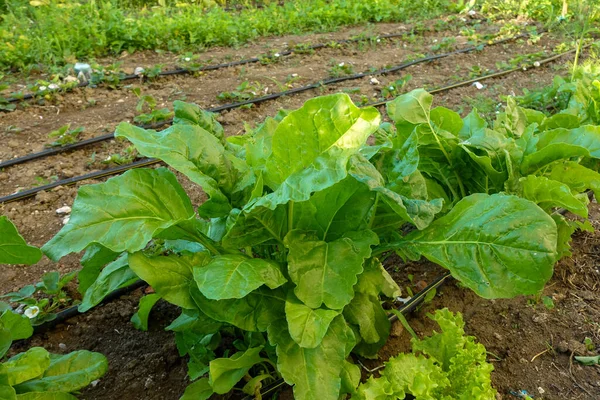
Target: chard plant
(287, 246)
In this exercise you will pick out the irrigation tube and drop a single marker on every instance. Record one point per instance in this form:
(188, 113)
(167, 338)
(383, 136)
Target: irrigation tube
(146, 162)
(273, 96)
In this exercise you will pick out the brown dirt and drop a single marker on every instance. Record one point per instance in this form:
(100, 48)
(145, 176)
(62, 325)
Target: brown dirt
(145, 365)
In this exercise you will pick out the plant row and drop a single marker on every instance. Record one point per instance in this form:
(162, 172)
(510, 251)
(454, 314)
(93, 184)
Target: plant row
(285, 254)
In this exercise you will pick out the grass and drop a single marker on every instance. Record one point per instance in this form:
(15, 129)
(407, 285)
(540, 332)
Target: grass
(61, 32)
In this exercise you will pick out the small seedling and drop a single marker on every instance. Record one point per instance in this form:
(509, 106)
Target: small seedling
(65, 135)
(40, 301)
(245, 91)
(341, 69)
(395, 88)
(125, 157)
(148, 102)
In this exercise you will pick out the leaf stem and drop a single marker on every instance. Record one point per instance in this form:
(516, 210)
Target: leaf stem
(405, 324)
(372, 219)
(441, 146)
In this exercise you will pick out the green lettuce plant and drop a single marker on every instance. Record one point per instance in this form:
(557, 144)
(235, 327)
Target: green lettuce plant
(444, 366)
(285, 247)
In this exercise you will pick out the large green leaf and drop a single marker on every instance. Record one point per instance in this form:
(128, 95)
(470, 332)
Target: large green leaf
(259, 226)
(171, 276)
(28, 365)
(558, 144)
(140, 318)
(123, 213)
(311, 147)
(192, 114)
(18, 325)
(498, 245)
(200, 156)
(115, 275)
(13, 248)
(68, 373)
(418, 212)
(45, 396)
(548, 193)
(199, 390)
(233, 276)
(254, 312)
(576, 176)
(226, 372)
(376, 280)
(410, 109)
(366, 312)
(92, 262)
(307, 326)
(325, 272)
(341, 208)
(315, 373)
(5, 341)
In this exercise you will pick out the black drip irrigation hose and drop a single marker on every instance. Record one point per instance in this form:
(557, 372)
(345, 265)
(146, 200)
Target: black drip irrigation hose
(258, 100)
(150, 161)
(70, 181)
(406, 308)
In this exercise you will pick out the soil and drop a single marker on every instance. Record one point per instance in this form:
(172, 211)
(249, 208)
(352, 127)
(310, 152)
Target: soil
(531, 347)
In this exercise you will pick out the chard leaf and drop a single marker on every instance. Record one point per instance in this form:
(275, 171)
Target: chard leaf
(315, 373)
(171, 276)
(376, 280)
(561, 144)
(200, 156)
(498, 245)
(259, 144)
(67, 373)
(418, 212)
(548, 193)
(254, 312)
(199, 390)
(94, 259)
(13, 248)
(447, 120)
(194, 321)
(192, 114)
(350, 378)
(233, 276)
(226, 372)
(366, 312)
(472, 125)
(17, 325)
(5, 343)
(44, 396)
(123, 213)
(115, 275)
(325, 272)
(513, 121)
(27, 365)
(311, 147)
(410, 109)
(140, 318)
(331, 212)
(259, 226)
(576, 176)
(307, 326)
